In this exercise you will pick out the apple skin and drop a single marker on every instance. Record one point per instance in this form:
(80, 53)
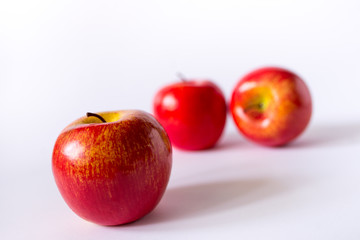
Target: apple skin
(271, 106)
(193, 112)
(115, 172)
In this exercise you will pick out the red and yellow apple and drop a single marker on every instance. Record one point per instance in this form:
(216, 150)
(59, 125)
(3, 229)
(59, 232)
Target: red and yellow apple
(271, 106)
(193, 112)
(112, 167)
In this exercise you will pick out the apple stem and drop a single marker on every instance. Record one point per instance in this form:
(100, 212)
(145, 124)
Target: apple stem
(252, 106)
(181, 77)
(89, 114)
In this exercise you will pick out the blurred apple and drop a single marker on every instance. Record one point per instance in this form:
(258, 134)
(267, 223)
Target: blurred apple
(271, 106)
(193, 112)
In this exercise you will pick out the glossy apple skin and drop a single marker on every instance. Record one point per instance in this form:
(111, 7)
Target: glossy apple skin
(192, 112)
(112, 173)
(271, 106)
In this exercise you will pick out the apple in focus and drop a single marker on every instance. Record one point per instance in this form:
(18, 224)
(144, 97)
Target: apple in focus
(271, 106)
(193, 113)
(112, 168)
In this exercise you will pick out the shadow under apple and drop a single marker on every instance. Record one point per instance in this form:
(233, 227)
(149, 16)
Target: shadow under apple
(201, 200)
(329, 135)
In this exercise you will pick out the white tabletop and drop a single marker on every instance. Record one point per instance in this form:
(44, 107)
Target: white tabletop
(307, 190)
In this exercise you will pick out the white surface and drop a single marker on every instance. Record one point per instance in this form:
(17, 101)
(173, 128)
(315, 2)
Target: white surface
(60, 59)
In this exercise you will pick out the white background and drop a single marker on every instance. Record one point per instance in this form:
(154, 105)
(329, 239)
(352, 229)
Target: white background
(60, 59)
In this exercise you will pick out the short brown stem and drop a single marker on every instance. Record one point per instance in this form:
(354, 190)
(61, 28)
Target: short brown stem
(181, 77)
(89, 114)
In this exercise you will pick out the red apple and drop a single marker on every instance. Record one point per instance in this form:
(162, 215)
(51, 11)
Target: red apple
(112, 167)
(271, 106)
(192, 112)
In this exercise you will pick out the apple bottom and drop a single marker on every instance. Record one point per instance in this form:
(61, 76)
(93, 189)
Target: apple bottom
(107, 203)
(276, 133)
